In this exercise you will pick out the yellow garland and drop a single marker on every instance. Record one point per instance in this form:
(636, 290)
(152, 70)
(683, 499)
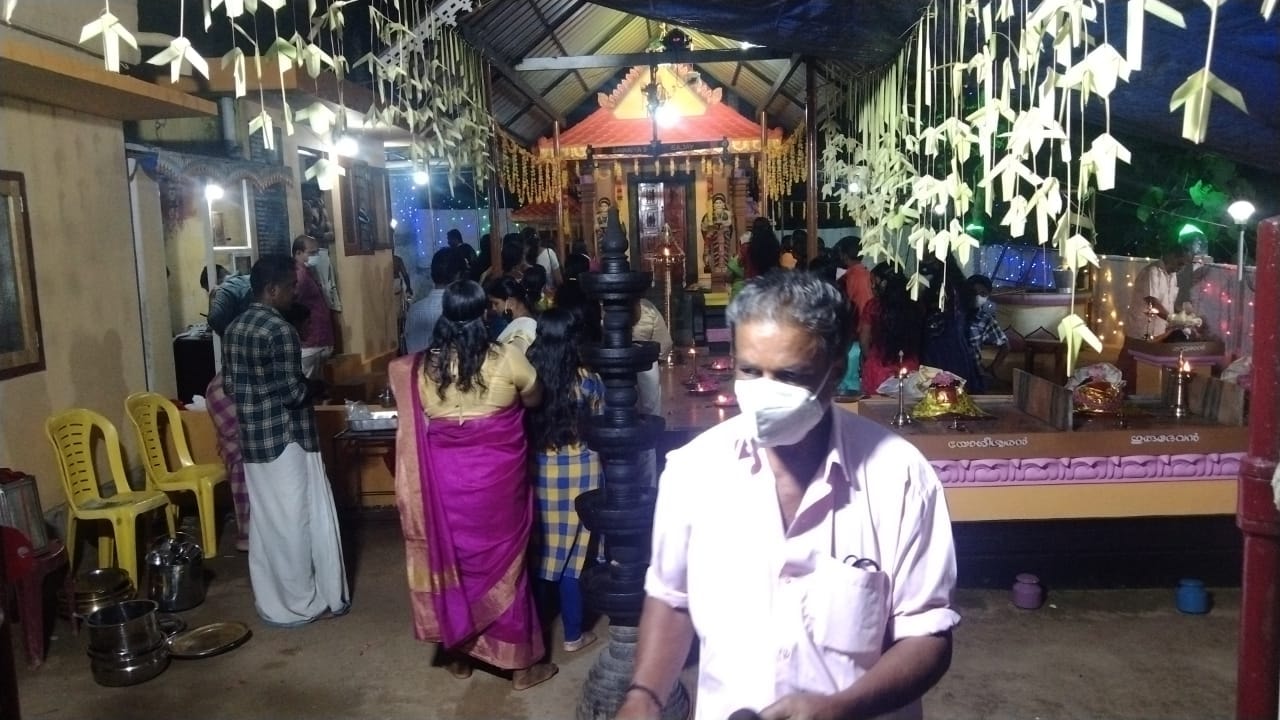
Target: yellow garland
(786, 166)
(530, 178)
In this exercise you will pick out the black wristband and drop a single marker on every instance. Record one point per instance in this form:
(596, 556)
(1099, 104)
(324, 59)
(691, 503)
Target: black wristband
(652, 695)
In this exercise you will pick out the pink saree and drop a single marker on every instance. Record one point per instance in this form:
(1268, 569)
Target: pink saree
(466, 511)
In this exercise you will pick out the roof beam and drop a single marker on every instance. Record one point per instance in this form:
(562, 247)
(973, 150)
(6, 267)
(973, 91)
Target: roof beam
(510, 75)
(778, 82)
(555, 39)
(691, 57)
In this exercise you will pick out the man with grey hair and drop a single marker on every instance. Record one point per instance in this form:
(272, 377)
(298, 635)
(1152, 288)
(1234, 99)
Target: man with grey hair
(809, 549)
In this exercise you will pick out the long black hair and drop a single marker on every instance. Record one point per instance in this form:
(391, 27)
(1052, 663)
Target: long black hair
(460, 342)
(554, 355)
(765, 251)
(508, 288)
(901, 320)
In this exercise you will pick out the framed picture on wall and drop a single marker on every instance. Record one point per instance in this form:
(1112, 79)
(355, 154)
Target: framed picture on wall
(21, 344)
(317, 214)
(366, 216)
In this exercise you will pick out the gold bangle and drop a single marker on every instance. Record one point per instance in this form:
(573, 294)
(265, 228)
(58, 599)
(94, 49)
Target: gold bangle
(648, 691)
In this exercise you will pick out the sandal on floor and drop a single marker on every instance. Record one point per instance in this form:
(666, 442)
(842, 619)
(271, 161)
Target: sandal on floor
(528, 677)
(583, 640)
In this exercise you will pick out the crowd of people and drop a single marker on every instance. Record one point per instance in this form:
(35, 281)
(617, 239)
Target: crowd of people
(494, 400)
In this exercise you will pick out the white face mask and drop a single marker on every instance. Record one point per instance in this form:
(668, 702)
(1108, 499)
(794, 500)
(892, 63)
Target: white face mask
(313, 260)
(782, 414)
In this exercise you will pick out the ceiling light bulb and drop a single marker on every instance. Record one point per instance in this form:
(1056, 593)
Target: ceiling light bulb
(420, 177)
(1240, 211)
(347, 146)
(940, 209)
(213, 191)
(855, 188)
(394, 223)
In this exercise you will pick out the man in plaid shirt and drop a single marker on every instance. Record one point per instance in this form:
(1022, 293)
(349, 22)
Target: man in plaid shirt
(983, 328)
(295, 552)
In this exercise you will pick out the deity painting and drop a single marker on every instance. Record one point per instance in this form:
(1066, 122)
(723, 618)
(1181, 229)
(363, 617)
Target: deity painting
(717, 237)
(603, 205)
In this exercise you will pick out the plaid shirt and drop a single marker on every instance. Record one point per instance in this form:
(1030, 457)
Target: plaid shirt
(262, 365)
(984, 330)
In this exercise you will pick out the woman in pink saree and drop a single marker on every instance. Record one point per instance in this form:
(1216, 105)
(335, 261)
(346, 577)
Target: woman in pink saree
(463, 492)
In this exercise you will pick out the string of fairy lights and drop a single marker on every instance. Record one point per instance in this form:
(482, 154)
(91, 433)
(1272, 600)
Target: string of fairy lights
(420, 231)
(1213, 299)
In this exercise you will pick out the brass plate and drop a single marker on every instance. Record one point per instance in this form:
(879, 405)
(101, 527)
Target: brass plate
(209, 640)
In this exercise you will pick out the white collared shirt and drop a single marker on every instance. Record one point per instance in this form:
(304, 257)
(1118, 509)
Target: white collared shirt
(782, 611)
(1151, 281)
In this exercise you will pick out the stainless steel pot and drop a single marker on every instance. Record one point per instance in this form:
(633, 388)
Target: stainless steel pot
(175, 573)
(98, 589)
(119, 670)
(126, 645)
(126, 628)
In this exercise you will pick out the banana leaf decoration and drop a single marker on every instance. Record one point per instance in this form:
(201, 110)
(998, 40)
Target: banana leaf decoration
(960, 192)
(178, 52)
(1099, 161)
(1031, 128)
(325, 172)
(1097, 72)
(962, 243)
(283, 52)
(235, 8)
(112, 32)
(262, 121)
(313, 57)
(1074, 332)
(1135, 23)
(1047, 203)
(1008, 171)
(318, 115)
(915, 283)
(1016, 217)
(235, 58)
(1195, 97)
(1077, 252)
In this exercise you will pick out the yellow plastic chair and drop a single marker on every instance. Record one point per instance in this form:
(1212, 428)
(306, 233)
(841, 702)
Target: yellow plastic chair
(71, 434)
(144, 409)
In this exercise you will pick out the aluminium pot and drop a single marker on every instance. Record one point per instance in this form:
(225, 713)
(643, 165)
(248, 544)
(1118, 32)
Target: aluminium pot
(126, 644)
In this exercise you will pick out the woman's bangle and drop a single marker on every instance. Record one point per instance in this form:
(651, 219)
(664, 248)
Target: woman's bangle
(647, 691)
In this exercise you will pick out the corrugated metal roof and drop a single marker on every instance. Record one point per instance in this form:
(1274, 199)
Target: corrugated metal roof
(518, 29)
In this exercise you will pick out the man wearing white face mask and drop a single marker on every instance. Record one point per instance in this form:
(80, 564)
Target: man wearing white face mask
(809, 549)
(317, 338)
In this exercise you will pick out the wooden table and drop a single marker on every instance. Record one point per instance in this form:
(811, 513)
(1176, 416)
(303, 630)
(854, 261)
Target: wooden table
(349, 448)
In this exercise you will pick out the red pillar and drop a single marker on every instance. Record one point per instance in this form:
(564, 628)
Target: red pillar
(1258, 664)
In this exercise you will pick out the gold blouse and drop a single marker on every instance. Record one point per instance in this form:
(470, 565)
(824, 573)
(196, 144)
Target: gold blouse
(508, 377)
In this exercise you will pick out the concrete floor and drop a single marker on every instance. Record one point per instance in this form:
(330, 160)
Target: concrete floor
(1086, 654)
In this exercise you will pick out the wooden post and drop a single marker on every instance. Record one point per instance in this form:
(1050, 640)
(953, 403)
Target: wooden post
(495, 182)
(560, 239)
(762, 174)
(1258, 662)
(811, 155)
